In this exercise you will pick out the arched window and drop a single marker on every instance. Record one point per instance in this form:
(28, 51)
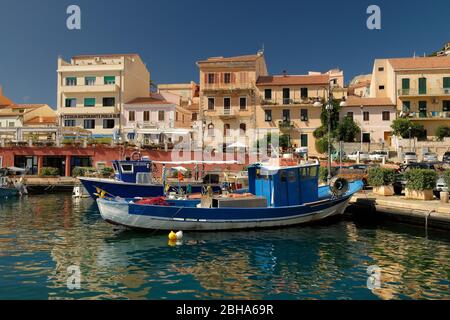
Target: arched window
(242, 129)
(211, 130)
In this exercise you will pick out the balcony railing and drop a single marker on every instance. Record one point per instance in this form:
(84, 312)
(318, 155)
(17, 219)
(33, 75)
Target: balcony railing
(227, 112)
(426, 115)
(287, 101)
(286, 125)
(428, 92)
(90, 88)
(226, 86)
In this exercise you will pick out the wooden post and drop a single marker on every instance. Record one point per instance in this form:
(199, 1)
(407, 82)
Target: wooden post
(67, 168)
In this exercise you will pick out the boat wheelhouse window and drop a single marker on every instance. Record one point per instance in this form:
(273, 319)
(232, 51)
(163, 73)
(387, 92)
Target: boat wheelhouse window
(114, 167)
(292, 176)
(303, 172)
(127, 168)
(143, 178)
(283, 176)
(313, 171)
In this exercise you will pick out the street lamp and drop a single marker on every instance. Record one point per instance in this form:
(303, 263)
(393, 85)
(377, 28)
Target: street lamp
(329, 108)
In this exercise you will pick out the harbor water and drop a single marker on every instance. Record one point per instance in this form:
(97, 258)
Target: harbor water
(44, 238)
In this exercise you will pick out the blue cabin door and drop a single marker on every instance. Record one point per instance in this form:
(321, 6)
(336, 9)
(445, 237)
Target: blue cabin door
(263, 187)
(282, 190)
(293, 185)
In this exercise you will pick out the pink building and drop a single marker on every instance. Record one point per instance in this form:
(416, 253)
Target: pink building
(373, 115)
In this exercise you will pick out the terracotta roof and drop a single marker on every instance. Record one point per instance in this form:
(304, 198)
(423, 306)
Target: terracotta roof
(293, 80)
(246, 58)
(10, 114)
(420, 63)
(148, 100)
(354, 101)
(27, 106)
(42, 120)
(4, 101)
(361, 84)
(114, 55)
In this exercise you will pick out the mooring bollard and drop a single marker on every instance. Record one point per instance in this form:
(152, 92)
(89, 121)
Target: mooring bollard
(444, 197)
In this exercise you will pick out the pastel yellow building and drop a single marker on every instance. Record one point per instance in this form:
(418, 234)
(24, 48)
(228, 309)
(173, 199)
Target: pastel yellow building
(285, 102)
(228, 98)
(92, 90)
(419, 87)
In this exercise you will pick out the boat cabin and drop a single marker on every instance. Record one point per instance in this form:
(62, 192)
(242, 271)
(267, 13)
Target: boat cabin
(133, 171)
(285, 186)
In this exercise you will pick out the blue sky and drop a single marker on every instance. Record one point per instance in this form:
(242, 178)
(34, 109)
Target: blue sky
(171, 35)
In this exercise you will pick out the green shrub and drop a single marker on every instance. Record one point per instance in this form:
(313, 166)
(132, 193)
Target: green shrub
(49, 172)
(379, 176)
(323, 174)
(446, 177)
(420, 179)
(82, 171)
(443, 132)
(107, 171)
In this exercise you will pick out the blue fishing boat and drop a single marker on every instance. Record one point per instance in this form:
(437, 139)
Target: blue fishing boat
(135, 178)
(278, 196)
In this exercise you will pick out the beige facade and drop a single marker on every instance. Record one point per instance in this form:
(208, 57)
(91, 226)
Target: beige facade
(286, 103)
(22, 122)
(420, 88)
(92, 90)
(374, 116)
(228, 98)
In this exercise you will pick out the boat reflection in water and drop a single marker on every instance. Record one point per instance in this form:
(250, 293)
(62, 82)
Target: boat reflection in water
(41, 236)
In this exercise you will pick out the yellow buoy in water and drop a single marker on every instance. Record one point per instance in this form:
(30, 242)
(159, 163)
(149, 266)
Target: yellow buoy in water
(172, 236)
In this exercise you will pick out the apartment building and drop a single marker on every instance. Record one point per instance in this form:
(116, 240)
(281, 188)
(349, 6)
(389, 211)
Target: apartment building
(419, 87)
(155, 120)
(187, 94)
(285, 102)
(22, 122)
(373, 115)
(92, 90)
(228, 98)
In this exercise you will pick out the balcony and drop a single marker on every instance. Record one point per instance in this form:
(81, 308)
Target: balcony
(93, 88)
(426, 115)
(428, 93)
(226, 87)
(286, 125)
(287, 102)
(227, 113)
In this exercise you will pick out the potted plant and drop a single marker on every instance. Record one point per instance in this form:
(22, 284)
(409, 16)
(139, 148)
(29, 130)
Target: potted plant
(446, 178)
(420, 184)
(382, 179)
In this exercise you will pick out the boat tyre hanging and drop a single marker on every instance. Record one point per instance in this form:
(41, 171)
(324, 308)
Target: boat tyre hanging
(339, 186)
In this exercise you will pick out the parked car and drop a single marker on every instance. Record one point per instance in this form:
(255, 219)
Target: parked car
(409, 157)
(430, 157)
(378, 155)
(363, 156)
(441, 186)
(446, 157)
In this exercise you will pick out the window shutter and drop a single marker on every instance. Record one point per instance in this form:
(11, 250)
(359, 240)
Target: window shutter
(206, 78)
(216, 77)
(221, 78)
(233, 77)
(447, 82)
